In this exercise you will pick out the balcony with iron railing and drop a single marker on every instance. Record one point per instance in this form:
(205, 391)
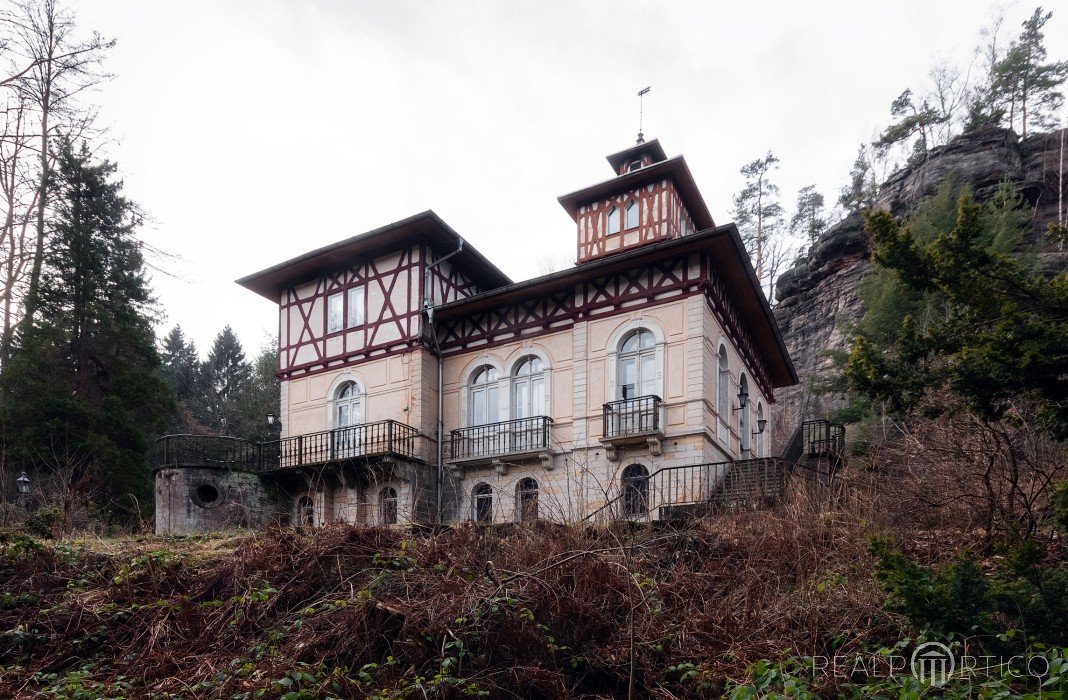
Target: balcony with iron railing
(382, 439)
(499, 443)
(633, 421)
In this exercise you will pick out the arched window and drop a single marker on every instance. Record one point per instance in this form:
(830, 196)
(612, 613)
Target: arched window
(387, 506)
(348, 405)
(637, 365)
(526, 500)
(635, 488)
(347, 413)
(484, 399)
(528, 389)
(634, 165)
(744, 434)
(482, 503)
(759, 447)
(630, 215)
(613, 220)
(724, 386)
(305, 512)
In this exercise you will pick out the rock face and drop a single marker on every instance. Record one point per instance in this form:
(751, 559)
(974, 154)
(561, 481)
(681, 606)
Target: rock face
(818, 298)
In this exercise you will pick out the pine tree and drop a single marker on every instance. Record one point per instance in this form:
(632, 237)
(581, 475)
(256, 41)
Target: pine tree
(757, 212)
(226, 373)
(261, 395)
(1025, 83)
(912, 119)
(808, 220)
(85, 388)
(859, 194)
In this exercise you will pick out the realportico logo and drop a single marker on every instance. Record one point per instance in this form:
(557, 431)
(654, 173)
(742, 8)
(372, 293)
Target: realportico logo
(933, 663)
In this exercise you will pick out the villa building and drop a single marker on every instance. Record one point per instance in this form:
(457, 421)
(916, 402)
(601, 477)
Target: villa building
(420, 384)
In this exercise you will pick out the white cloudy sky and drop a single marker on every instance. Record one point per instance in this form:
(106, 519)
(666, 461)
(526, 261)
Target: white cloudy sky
(254, 131)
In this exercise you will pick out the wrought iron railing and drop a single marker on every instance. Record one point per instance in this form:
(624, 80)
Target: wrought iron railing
(696, 488)
(637, 416)
(367, 440)
(496, 439)
(206, 451)
(822, 438)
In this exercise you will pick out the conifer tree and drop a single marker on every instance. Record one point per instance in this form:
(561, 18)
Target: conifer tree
(85, 388)
(859, 194)
(182, 371)
(226, 372)
(758, 213)
(957, 312)
(808, 220)
(912, 119)
(1027, 85)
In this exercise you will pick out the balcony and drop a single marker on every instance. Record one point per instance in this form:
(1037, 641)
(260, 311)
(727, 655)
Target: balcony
(384, 439)
(500, 443)
(633, 422)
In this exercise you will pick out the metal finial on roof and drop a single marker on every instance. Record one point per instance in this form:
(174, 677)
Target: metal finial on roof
(641, 105)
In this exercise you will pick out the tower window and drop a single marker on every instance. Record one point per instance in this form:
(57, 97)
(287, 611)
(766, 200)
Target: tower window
(613, 220)
(631, 215)
(634, 165)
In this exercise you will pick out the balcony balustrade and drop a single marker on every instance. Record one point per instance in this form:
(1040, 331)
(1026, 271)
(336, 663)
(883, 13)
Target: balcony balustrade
(507, 440)
(633, 421)
(382, 439)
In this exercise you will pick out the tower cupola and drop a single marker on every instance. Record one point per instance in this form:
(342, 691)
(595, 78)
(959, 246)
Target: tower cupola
(651, 198)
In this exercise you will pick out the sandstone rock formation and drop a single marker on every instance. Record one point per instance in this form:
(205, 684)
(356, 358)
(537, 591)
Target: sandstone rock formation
(818, 298)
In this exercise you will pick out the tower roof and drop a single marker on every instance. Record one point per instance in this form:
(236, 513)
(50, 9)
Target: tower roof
(651, 148)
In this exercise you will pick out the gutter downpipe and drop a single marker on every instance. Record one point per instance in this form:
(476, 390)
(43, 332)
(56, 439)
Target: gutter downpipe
(428, 310)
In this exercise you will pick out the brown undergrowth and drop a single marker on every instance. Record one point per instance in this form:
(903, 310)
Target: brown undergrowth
(505, 611)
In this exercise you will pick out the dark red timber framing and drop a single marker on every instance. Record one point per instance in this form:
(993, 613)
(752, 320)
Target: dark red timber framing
(390, 265)
(712, 263)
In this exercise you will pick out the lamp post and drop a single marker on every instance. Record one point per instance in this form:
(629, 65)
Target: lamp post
(25, 487)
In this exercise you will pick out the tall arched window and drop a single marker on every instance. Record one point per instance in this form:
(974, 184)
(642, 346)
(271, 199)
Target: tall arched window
(526, 500)
(348, 412)
(305, 512)
(635, 489)
(348, 405)
(744, 431)
(630, 215)
(724, 386)
(637, 365)
(613, 220)
(482, 503)
(484, 399)
(528, 389)
(387, 506)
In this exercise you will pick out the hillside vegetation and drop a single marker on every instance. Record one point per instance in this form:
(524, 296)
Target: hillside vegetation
(748, 605)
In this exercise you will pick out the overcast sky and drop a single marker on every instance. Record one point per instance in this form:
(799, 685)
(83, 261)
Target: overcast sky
(255, 131)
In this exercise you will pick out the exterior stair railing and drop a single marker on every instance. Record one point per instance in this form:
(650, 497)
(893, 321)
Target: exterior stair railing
(698, 489)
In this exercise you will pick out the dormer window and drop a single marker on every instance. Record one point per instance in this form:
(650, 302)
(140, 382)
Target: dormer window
(631, 215)
(613, 220)
(634, 165)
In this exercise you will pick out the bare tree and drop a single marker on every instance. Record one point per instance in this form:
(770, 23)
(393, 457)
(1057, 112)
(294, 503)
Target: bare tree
(58, 67)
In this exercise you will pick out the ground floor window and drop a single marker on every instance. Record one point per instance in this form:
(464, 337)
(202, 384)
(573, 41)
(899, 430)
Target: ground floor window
(526, 496)
(387, 503)
(635, 487)
(482, 503)
(305, 512)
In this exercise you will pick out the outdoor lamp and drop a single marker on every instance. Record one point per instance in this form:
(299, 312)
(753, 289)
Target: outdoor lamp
(270, 419)
(761, 424)
(743, 398)
(24, 483)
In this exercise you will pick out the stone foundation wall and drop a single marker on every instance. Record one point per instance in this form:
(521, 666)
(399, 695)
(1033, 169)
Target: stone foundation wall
(192, 500)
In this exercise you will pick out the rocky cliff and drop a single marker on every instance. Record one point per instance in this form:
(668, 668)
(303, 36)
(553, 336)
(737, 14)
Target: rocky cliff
(818, 298)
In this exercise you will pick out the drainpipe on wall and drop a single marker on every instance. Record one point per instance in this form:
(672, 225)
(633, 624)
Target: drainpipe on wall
(428, 310)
